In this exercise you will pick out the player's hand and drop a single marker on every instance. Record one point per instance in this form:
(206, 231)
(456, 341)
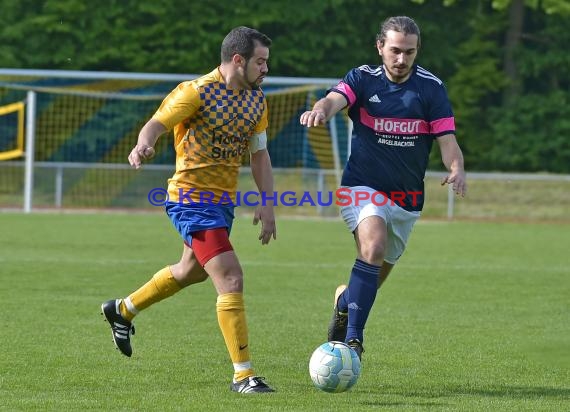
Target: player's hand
(313, 118)
(456, 178)
(140, 153)
(268, 229)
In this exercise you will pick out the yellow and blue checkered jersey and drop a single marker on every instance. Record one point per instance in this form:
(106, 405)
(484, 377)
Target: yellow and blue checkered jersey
(212, 127)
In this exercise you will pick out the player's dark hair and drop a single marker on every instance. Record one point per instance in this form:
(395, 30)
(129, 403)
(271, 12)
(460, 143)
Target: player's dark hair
(242, 40)
(400, 24)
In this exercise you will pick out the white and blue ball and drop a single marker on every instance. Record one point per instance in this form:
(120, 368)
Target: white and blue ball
(334, 367)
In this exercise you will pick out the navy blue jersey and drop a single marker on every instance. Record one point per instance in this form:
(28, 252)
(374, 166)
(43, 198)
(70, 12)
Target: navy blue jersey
(394, 125)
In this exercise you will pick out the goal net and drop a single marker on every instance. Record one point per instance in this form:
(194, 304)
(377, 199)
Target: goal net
(84, 130)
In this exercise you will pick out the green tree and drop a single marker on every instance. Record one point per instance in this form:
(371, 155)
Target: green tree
(510, 85)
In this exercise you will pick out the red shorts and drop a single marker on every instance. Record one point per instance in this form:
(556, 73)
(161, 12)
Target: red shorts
(210, 243)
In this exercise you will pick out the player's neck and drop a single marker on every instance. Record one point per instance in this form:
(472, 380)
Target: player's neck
(231, 78)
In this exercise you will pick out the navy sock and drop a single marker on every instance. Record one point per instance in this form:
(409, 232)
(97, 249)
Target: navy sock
(362, 289)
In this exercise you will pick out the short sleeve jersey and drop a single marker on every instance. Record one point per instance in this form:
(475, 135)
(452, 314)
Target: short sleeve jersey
(394, 125)
(212, 127)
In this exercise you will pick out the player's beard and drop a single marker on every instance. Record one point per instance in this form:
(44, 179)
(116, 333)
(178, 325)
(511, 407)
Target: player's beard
(398, 73)
(255, 83)
(247, 81)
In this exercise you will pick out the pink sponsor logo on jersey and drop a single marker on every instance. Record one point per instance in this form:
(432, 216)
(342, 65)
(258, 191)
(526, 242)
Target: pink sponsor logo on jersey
(394, 126)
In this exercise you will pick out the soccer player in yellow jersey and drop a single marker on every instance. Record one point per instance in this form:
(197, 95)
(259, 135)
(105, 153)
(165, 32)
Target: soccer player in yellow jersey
(216, 119)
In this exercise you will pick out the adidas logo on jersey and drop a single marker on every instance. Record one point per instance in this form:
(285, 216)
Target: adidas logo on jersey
(375, 99)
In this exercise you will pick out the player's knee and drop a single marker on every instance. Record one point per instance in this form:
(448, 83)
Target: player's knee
(234, 283)
(197, 276)
(229, 280)
(372, 253)
(188, 273)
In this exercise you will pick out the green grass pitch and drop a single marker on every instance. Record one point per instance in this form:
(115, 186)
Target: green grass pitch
(476, 316)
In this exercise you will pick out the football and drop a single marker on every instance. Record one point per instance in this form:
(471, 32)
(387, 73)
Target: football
(334, 367)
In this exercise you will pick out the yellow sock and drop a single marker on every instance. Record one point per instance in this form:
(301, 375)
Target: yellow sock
(161, 286)
(231, 318)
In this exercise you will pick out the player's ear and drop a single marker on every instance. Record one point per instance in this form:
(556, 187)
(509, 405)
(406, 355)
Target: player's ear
(238, 59)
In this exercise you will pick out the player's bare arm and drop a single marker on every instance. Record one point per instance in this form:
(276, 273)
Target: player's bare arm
(263, 175)
(144, 149)
(452, 158)
(323, 110)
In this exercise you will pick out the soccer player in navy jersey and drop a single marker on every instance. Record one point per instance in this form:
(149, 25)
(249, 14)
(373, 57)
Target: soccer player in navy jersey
(398, 109)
